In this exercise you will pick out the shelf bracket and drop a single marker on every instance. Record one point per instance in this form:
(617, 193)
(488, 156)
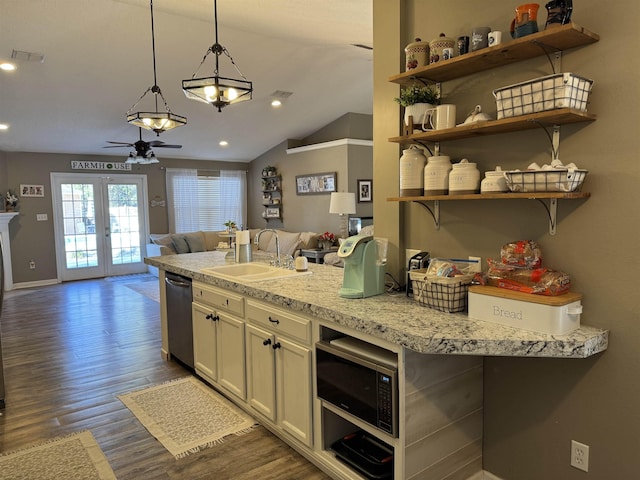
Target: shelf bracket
(552, 213)
(556, 61)
(435, 213)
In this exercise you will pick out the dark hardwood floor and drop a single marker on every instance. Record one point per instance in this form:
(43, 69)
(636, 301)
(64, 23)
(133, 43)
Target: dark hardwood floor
(71, 349)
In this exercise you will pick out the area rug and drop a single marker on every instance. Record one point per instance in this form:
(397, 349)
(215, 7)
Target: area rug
(148, 288)
(73, 457)
(186, 416)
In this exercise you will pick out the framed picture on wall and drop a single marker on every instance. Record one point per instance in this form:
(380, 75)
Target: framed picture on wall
(32, 190)
(316, 183)
(365, 191)
(273, 212)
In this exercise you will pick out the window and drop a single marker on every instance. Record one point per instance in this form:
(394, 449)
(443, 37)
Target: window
(219, 196)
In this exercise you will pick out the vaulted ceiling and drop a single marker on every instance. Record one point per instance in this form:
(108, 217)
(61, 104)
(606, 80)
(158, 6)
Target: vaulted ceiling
(98, 62)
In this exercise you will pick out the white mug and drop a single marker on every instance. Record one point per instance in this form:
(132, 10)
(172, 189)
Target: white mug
(440, 117)
(495, 38)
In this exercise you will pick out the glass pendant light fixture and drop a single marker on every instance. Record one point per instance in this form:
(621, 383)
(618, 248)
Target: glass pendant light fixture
(157, 121)
(216, 90)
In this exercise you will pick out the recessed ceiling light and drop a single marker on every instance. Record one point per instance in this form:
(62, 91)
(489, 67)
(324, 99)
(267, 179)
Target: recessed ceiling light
(223, 143)
(4, 126)
(8, 67)
(276, 103)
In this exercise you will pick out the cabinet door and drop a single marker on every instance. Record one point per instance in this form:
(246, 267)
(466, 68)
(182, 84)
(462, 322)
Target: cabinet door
(231, 356)
(204, 341)
(293, 363)
(261, 381)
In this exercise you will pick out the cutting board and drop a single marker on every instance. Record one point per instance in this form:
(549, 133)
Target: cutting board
(555, 301)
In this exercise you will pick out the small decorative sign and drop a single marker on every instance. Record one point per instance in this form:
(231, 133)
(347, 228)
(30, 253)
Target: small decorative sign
(32, 190)
(91, 165)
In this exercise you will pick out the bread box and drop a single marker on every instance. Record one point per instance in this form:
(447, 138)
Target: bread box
(554, 315)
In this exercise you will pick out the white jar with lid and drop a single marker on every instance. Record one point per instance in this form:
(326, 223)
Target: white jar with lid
(411, 172)
(464, 178)
(436, 175)
(494, 182)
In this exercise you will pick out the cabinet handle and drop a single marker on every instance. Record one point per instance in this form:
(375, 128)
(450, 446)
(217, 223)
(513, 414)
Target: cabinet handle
(211, 317)
(267, 342)
(274, 320)
(276, 346)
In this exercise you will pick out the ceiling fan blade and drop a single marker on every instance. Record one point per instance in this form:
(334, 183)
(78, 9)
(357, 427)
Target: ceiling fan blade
(167, 146)
(118, 146)
(121, 143)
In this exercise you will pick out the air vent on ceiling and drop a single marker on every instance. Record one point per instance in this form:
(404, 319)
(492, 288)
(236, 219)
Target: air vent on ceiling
(27, 56)
(281, 94)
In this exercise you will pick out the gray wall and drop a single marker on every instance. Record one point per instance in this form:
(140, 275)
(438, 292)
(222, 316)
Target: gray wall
(534, 407)
(311, 212)
(33, 240)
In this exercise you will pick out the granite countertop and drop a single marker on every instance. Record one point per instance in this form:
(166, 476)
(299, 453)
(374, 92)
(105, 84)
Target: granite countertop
(391, 317)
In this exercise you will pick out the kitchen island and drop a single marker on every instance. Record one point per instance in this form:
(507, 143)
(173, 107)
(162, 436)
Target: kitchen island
(393, 318)
(255, 342)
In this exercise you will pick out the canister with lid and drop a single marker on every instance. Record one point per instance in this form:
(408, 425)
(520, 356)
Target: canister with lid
(494, 181)
(464, 178)
(436, 175)
(416, 54)
(411, 172)
(441, 48)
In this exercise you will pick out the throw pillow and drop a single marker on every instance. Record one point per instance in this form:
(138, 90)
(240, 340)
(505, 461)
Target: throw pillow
(308, 240)
(164, 240)
(195, 241)
(180, 243)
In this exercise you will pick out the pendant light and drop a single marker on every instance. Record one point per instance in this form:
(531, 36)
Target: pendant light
(216, 90)
(157, 121)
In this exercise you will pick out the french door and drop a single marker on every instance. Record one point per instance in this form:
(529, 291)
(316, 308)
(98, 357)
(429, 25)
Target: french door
(100, 224)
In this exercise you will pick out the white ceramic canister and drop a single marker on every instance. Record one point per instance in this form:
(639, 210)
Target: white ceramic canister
(436, 175)
(416, 54)
(411, 172)
(464, 178)
(494, 182)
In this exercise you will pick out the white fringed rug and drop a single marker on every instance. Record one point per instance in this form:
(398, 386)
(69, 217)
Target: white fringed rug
(73, 457)
(186, 415)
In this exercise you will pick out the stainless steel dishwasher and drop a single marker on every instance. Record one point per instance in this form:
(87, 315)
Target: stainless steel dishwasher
(179, 326)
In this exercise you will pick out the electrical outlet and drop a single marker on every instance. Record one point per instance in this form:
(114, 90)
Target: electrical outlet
(32, 265)
(476, 267)
(580, 456)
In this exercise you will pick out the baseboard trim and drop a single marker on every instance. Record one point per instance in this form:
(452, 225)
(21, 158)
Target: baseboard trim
(39, 283)
(483, 475)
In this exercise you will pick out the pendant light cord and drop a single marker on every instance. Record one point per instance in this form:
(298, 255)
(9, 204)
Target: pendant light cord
(153, 50)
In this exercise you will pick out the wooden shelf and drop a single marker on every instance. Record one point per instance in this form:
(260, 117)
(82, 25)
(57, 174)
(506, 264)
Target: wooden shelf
(561, 116)
(494, 196)
(551, 197)
(548, 41)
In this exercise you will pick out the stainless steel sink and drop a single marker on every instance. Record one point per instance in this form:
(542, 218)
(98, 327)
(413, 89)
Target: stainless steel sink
(251, 272)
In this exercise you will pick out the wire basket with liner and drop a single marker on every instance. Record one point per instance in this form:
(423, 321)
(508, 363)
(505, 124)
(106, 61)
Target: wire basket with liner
(433, 288)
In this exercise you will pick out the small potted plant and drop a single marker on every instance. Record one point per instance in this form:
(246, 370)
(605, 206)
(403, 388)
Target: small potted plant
(231, 225)
(417, 100)
(11, 201)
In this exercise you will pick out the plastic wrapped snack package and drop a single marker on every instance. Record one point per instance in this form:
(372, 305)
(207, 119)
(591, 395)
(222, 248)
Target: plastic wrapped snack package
(521, 253)
(540, 281)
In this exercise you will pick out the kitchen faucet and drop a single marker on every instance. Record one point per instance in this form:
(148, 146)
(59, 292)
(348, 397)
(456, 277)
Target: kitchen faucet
(257, 238)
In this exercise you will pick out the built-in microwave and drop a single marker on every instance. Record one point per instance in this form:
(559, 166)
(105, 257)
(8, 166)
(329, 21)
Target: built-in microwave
(361, 379)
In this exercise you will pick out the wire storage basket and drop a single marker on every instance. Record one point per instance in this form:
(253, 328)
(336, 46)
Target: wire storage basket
(561, 90)
(545, 180)
(441, 293)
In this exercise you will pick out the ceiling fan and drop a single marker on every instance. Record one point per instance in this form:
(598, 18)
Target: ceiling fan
(143, 154)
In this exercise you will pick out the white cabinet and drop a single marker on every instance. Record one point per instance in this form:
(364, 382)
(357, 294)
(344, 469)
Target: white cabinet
(218, 337)
(279, 366)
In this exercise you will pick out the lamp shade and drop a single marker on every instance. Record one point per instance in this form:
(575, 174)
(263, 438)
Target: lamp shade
(343, 203)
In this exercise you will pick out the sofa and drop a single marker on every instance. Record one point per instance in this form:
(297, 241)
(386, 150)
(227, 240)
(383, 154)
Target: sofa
(203, 241)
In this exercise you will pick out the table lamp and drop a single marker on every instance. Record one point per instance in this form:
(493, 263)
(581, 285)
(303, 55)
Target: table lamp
(343, 203)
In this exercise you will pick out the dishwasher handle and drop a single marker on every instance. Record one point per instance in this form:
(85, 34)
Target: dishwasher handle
(177, 283)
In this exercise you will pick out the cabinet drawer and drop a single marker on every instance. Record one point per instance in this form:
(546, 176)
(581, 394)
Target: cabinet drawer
(218, 298)
(279, 321)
